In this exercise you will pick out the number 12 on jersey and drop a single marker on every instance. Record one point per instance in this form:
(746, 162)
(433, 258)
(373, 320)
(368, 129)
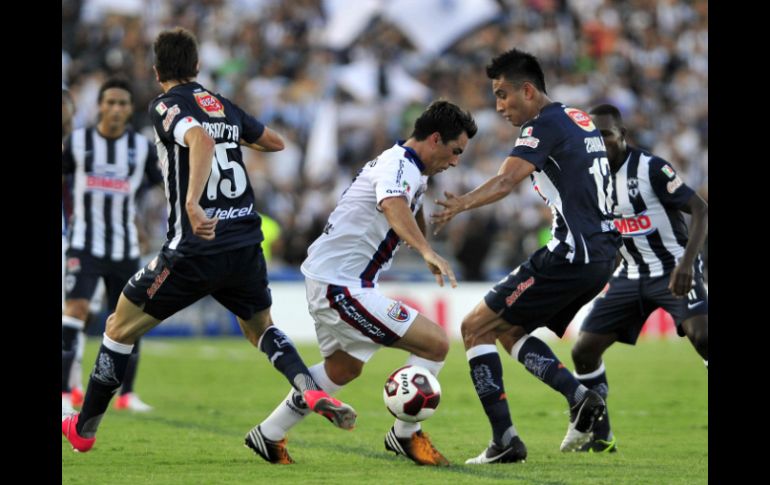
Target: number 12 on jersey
(601, 172)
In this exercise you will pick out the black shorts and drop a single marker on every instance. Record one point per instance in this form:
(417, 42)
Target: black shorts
(82, 272)
(627, 304)
(170, 282)
(547, 291)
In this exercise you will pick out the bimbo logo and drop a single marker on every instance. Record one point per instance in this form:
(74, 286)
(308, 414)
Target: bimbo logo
(109, 184)
(634, 226)
(580, 118)
(210, 104)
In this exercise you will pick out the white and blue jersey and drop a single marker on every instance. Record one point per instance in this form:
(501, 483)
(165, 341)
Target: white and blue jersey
(358, 243)
(649, 197)
(573, 176)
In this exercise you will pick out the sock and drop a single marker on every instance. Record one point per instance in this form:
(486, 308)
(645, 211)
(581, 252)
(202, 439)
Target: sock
(70, 327)
(541, 362)
(130, 376)
(283, 355)
(76, 372)
(404, 429)
(105, 379)
(293, 408)
(597, 381)
(487, 377)
(706, 363)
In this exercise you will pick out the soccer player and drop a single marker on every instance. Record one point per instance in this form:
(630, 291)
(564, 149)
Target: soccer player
(214, 235)
(381, 208)
(562, 152)
(661, 266)
(104, 166)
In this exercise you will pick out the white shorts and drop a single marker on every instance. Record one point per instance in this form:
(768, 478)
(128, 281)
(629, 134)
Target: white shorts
(357, 321)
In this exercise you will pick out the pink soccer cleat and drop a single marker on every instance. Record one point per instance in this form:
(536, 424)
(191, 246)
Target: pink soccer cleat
(69, 430)
(339, 413)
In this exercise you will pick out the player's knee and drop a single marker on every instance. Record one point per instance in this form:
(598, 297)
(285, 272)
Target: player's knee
(117, 331)
(700, 340)
(342, 375)
(585, 357)
(468, 331)
(439, 348)
(76, 308)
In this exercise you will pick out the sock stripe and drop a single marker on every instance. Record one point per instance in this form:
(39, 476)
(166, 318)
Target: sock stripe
(591, 375)
(517, 346)
(479, 350)
(72, 322)
(117, 346)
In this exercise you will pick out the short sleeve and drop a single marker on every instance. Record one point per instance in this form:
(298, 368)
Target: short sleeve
(668, 185)
(536, 142)
(396, 178)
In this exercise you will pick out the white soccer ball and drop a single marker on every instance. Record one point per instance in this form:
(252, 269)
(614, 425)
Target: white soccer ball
(412, 393)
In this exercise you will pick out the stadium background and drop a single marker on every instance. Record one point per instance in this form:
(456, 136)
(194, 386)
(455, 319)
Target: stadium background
(342, 80)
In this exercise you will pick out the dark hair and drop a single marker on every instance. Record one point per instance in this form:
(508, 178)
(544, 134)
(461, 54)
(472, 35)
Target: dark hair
(517, 66)
(176, 55)
(445, 118)
(115, 82)
(608, 109)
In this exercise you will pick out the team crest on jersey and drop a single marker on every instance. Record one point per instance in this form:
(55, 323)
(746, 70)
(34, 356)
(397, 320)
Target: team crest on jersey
(668, 171)
(580, 118)
(160, 108)
(398, 312)
(210, 104)
(73, 265)
(170, 115)
(633, 187)
(674, 184)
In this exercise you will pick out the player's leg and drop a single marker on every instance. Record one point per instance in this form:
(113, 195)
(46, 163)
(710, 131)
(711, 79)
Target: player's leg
(76, 372)
(697, 330)
(428, 346)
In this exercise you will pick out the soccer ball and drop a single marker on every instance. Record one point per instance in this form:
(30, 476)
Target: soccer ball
(411, 393)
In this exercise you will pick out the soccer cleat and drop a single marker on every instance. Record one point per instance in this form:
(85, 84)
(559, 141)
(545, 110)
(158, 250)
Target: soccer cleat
(77, 397)
(132, 402)
(66, 404)
(272, 451)
(417, 448)
(334, 410)
(583, 417)
(600, 446)
(69, 430)
(515, 452)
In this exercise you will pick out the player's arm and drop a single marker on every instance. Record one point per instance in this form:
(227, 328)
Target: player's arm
(511, 173)
(201, 156)
(420, 218)
(681, 278)
(269, 141)
(401, 220)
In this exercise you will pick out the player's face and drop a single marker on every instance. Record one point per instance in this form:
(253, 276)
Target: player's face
(511, 102)
(614, 140)
(115, 108)
(445, 155)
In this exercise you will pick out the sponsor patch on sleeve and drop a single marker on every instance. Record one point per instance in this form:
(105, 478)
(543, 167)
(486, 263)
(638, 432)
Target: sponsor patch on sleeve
(580, 118)
(160, 108)
(210, 104)
(668, 171)
(674, 184)
(526, 132)
(528, 141)
(170, 115)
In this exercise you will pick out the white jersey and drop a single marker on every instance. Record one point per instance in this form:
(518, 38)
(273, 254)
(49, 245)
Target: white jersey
(357, 242)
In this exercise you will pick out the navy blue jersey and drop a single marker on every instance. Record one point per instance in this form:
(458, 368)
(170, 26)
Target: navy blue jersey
(650, 195)
(573, 176)
(228, 192)
(104, 176)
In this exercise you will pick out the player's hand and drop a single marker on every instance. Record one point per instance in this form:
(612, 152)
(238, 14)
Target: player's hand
(440, 267)
(681, 280)
(202, 226)
(452, 207)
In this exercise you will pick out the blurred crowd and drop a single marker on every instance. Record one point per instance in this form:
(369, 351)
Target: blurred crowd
(274, 58)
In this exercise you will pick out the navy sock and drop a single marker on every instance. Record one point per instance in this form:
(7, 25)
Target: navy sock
(105, 379)
(541, 362)
(130, 376)
(597, 381)
(487, 377)
(69, 341)
(284, 356)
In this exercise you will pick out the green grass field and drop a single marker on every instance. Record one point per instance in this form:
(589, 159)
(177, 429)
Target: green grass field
(208, 393)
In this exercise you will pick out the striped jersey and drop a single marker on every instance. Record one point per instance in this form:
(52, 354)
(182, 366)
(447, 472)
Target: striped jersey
(650, 195)
(104, 176)
(228, 193)
(358, 243)
(573, 177)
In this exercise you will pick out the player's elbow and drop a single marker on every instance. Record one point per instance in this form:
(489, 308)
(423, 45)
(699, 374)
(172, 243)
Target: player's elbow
(271, 141)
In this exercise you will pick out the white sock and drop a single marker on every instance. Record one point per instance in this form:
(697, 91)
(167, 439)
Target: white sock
(76, 373)
(289, 413)
(404, 429)
(706, 363)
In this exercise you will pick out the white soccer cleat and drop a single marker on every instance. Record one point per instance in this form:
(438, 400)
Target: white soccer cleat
(583, 417)
(132, 402)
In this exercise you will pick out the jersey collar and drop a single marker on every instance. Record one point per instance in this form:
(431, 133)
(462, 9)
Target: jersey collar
(411, 155)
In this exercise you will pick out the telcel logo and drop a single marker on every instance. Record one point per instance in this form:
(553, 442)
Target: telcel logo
(229, 213)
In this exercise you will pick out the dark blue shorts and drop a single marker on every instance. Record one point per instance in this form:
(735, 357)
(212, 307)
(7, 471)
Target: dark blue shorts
(170, 282)
(82, 273)
(627, 304)
(547, 291)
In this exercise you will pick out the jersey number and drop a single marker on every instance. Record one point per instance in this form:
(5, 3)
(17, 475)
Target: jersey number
(601, 172)
(229, 188)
